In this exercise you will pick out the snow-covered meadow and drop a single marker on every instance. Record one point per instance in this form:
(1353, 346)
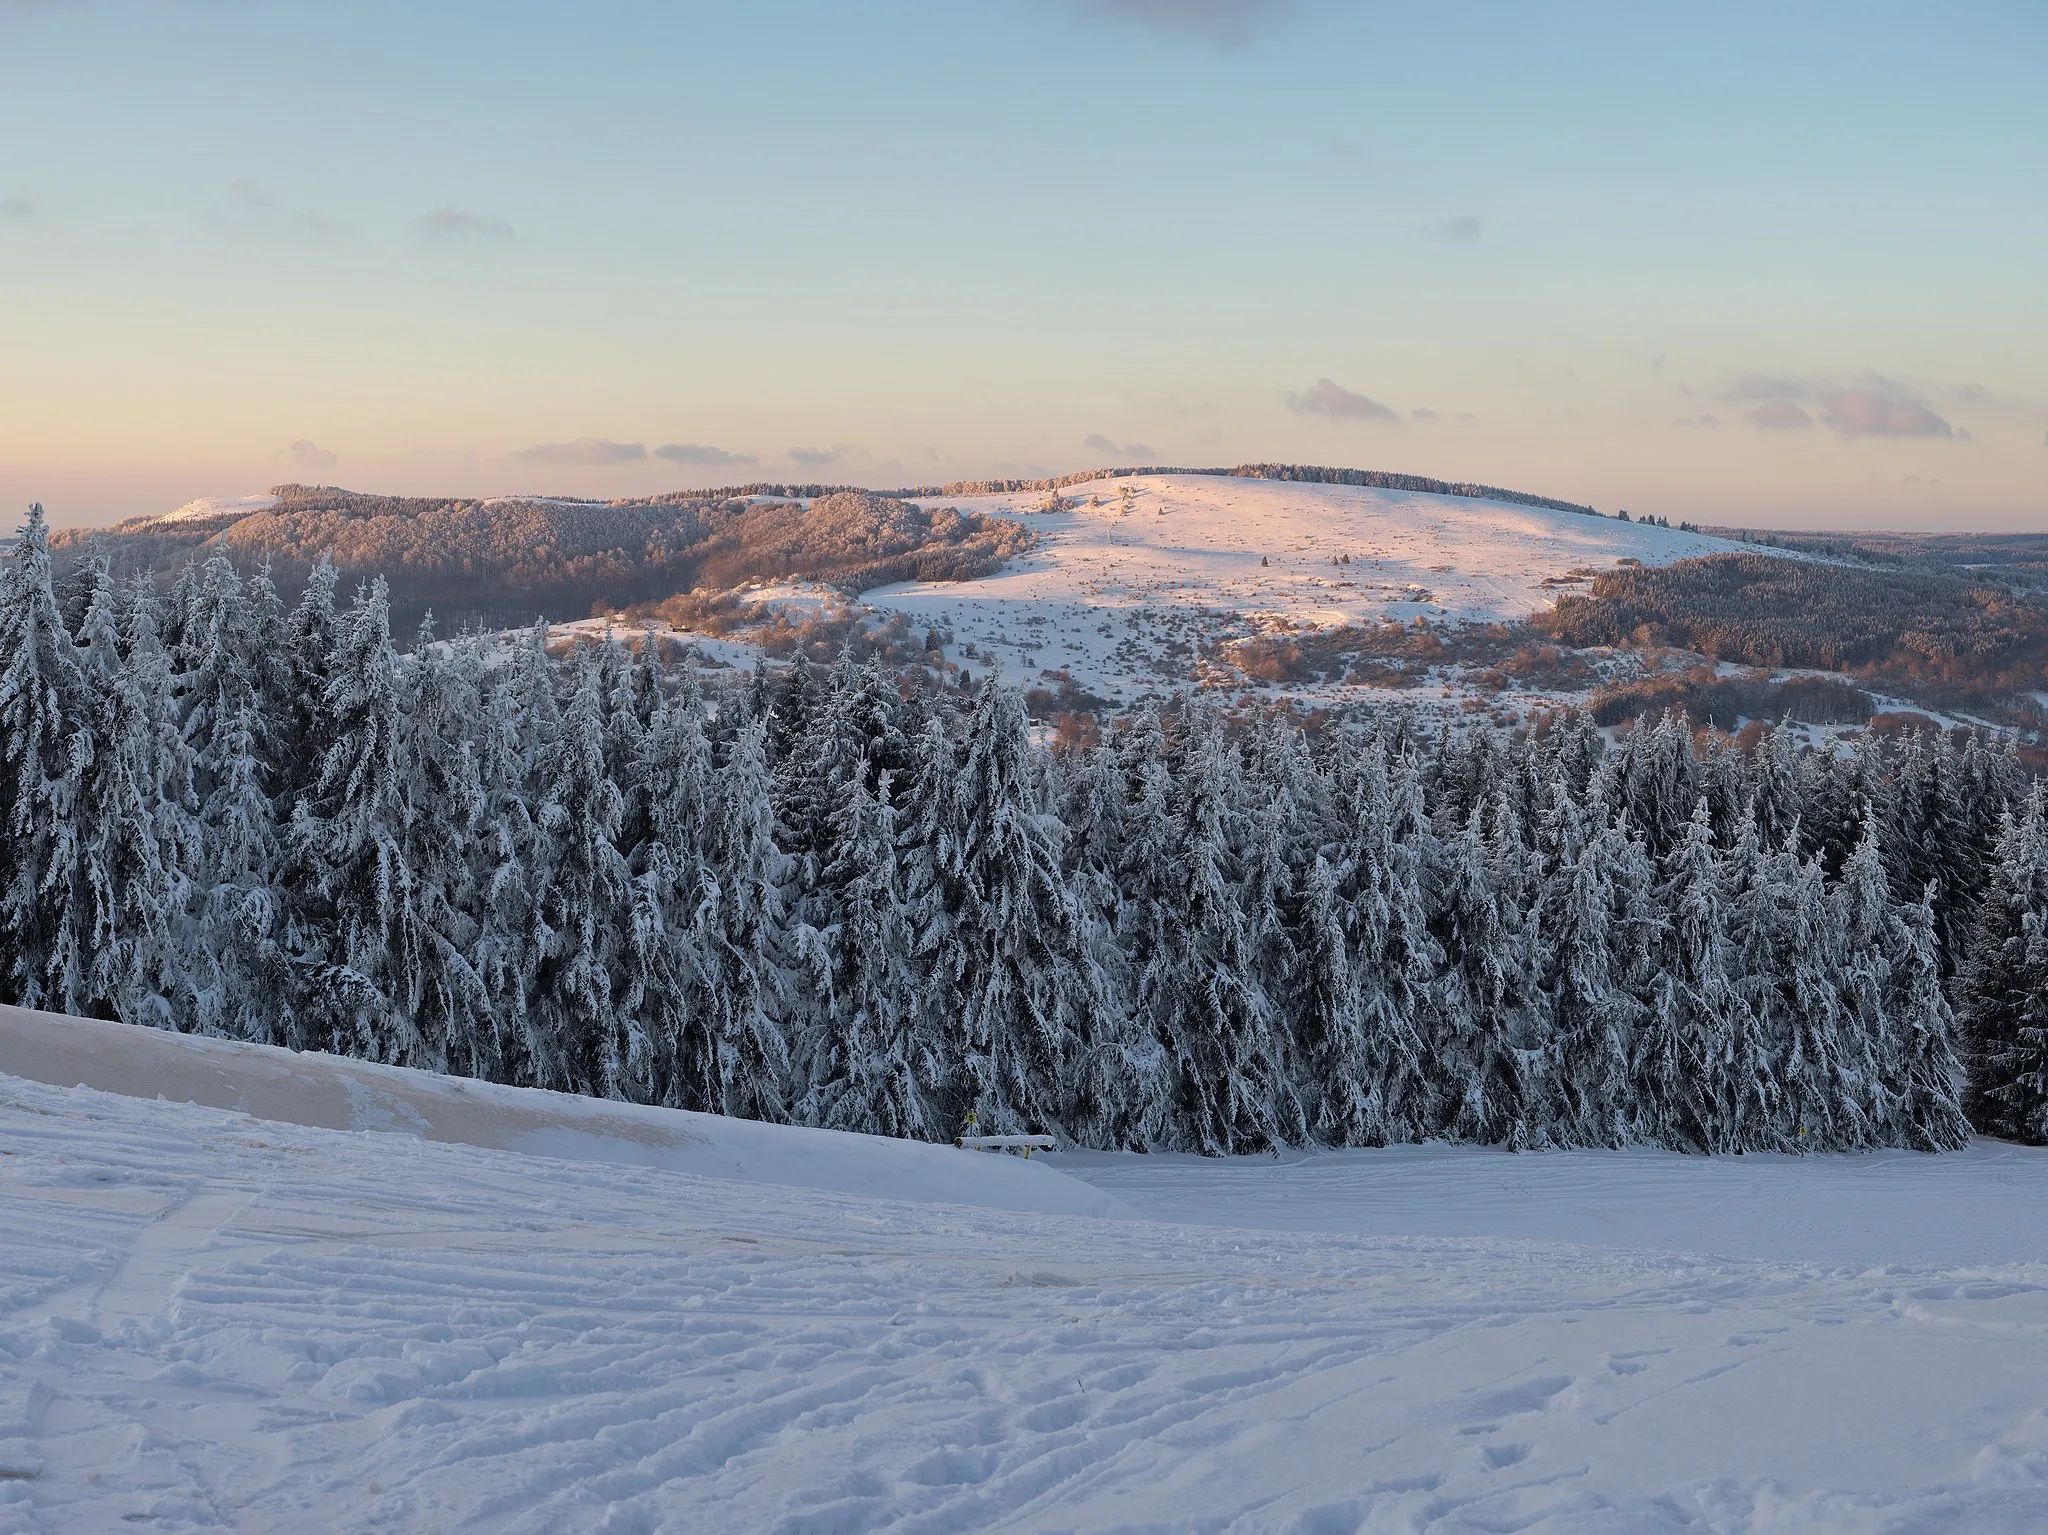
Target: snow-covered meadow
(219, 1319)
(1135, 570)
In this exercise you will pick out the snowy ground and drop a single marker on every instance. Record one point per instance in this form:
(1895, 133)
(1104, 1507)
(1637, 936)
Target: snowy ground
(1122, 584)
(211, 508)
(214, 1320)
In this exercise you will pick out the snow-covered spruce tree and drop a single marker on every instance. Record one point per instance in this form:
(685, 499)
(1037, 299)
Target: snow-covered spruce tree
(129, 888)
(1923, 1070)
(1762, 949)
(40, 725)
(1233, 1091)
(1489, 1023)
(521, 726)
(2002, 995)
(1819, 1065)
(310, 635)
(1114, 802)
(1928, 840)
(924, 823)
(1837, 789)
(1658, 781)
(228, 941)
(443, 815)
(1593, 1013)
(353, 895)
(867, 1054)
(1372, 960)
(1681, 1066)
(583, 914)
(1284, 831)
(738, 1059)
(1773, 789)
(1866, 937)
(670, 882)
(1004, 963)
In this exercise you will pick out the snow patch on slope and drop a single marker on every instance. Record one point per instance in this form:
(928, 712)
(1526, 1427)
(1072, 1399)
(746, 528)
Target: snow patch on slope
(217, 508)
(333, 1093)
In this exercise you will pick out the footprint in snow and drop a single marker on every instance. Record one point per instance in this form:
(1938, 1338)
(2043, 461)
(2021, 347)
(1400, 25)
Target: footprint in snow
(1531, 1395)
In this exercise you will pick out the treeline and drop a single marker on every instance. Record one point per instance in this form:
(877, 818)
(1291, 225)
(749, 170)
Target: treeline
(1311, 474)
(497, 563)
(1709, 698)
(810, 898)
(1940, 635)
(2023, 556)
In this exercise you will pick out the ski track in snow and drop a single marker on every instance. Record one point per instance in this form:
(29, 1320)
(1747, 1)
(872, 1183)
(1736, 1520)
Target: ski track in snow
(212, 1321)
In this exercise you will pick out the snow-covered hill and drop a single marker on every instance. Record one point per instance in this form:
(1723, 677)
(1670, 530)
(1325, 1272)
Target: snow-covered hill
(334, 1093)
(1135, 571)
(209, 509)
(211, 1320)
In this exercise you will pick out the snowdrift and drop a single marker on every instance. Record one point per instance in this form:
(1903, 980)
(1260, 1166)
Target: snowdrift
(332, 1093)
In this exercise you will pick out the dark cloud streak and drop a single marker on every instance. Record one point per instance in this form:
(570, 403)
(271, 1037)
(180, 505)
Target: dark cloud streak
(1881, 413)
(1778, 416)
(701, 455)
(459, 224)
(584, 452)
(1331, 399)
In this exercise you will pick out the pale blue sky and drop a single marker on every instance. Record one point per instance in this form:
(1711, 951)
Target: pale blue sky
(1739, 261)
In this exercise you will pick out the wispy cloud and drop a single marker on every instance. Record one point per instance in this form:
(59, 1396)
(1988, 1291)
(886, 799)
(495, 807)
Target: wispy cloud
(1331, 399)
(584, 452)
(1709, 422)
(1098, 443)
(813, 458)
(1221, 23)
(1881, 413)
(460, 224)
(1765, 386)
(16, 208)
(269, 202)
(1778, 416)
(1425, 414)
(701, 455)
(307, 454)
(1464, 229)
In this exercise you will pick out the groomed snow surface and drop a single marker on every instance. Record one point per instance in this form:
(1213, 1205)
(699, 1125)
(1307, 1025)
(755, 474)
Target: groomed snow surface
(483, 1309)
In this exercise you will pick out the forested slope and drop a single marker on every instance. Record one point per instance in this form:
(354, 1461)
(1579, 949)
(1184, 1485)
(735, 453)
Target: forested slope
(815, 899)
(1941, 634)
(500, 563)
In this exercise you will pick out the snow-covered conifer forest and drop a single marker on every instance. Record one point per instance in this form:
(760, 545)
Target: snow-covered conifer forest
(807, 897)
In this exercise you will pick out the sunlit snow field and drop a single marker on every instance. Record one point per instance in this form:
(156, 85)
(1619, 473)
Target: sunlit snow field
(213, 1320)
(1137, 567)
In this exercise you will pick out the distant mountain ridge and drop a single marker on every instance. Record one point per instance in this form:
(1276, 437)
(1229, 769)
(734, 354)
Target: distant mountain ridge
(501, 560)
(1306, 474)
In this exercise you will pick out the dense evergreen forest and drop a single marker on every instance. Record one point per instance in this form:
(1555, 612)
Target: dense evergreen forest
(819, 898)
(1935, 634)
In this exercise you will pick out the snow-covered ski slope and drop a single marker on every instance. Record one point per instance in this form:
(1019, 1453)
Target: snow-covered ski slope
(1135, 564)
(210, 1320)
